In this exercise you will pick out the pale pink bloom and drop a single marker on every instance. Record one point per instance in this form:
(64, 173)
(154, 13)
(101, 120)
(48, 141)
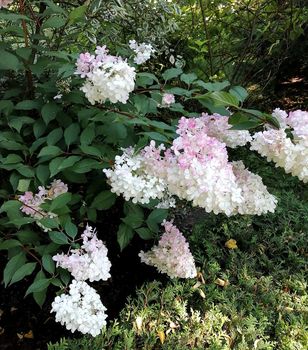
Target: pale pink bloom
(217, 126)
(5, 3)
(85, 64)
(88, 262)
(167, 100)
(57, 187)
(172, 255)
(298, 121)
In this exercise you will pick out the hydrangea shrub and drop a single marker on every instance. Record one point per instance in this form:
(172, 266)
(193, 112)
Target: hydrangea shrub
(66, 115)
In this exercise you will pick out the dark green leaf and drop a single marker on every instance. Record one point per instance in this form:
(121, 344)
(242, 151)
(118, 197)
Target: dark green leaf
(155, 218)
(53, 151)
(23, 271)
(48, 264)
(60, 201)
(104, 200)
(38, 286)
(171, 73)
(145, 233)
(124, 235)
(10, 243)
(8, 61)
(71, 133)
(71, 229)
(58, 237)
(12, 266)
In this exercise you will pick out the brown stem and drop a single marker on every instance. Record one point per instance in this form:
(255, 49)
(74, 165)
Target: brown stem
(116, 111)
(207, 34)
(33, 255)
(28, 206)
(28, 73)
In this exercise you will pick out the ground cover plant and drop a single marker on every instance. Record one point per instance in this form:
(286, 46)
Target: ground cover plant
(102, 142)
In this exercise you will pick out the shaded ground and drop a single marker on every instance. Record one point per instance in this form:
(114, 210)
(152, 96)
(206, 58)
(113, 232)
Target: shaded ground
(19, 316)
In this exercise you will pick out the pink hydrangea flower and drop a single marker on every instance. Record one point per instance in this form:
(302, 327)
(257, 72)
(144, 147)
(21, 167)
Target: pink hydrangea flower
(172, 255)
(88, 262)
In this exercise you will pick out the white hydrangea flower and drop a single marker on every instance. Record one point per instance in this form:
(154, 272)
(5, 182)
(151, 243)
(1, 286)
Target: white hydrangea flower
(277, 147)
(257, 200)
(143, 51)
(130, 179)
(112, 81)
(107, 77)
(81, 309)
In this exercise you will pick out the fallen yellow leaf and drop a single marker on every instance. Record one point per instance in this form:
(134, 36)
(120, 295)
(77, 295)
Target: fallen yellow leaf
(29, 335)
(221, 282)
(162, 337)
(231, 244)
(139, 323)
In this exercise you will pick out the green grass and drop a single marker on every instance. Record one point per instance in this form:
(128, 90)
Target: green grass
(264, 302)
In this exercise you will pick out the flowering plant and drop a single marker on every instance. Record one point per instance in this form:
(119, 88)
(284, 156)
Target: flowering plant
(63, 128)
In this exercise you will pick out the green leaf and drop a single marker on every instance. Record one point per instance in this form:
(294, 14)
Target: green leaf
(8, 61)
(188, 78)
(77, 14)
(171, 73)
(60, 201)
(48, 264)
(272, 120)
(212, 86)
(23, 185)
(88, 135)
(61, 163)
(115, 132)
(54, 165)
(10, 243)
(155, 136)
(27, 105)
(86, 165)
(58, 237)
(10, 206)
(90, 150)
(134, 215)
(27, 236)
(54, 136)
(71, 229)
(71, 133)
(223, 98)
(53, 151)
(18, 122)
(6, 107)
(54, 22)
(239, 92)
(156, 217)
(49, 222)
(26, 171)
(145, 79)
(49, 111)
(38, 286)
(124, 235)
(23, 271)
(240, 121)
(42, 173)
(145, 233)
(12, 266)
(104, 200)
